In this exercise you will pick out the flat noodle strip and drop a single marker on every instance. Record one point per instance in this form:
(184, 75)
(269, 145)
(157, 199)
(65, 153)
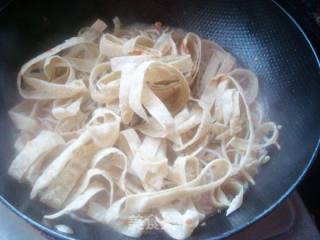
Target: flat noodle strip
(142, 127)
(179, 224)
(59, 189)
(52, 89)
(22, 116)
(33, 152)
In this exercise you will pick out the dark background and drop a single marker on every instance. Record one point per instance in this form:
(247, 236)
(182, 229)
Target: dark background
(307, 14)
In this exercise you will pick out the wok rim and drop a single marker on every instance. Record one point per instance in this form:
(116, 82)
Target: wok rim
(266, 212)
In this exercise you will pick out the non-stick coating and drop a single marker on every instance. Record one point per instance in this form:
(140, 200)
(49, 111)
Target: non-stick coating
(260, 34)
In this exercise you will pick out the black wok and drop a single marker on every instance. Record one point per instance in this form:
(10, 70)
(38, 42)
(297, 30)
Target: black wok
(259, 33)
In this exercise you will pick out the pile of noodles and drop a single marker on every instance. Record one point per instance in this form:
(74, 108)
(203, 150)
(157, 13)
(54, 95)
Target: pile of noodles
(144, 121)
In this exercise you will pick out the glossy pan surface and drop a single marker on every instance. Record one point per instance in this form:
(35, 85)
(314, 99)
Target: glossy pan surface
(259, 33)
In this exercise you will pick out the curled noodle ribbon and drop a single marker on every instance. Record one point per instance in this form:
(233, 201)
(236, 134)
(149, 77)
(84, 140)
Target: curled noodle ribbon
(139, 125)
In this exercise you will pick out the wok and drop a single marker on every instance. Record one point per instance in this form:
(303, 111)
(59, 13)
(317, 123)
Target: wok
(262, 36)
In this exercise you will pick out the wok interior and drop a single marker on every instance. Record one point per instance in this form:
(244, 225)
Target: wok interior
(259, 34)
